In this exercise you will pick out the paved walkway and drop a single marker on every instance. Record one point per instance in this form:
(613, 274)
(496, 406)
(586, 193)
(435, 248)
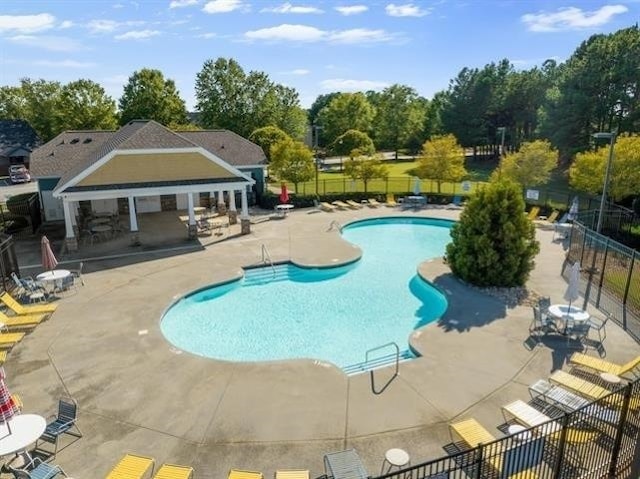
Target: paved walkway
(139, 394)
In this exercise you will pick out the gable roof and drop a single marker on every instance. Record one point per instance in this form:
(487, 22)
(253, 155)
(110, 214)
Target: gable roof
(17, 133)
(65, 157)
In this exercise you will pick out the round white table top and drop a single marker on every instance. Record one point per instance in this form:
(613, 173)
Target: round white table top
(25, 430)
(284, 207)
(565, 312)
(610, 378)
(101, 228)
(53, 275)
(397, 457)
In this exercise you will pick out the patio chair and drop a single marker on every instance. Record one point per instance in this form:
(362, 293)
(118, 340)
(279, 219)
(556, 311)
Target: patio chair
(533, 213)
(527, 415)
(455, 204)
(599, 325)
(76, 274)
(37, 469)
(473, 434)
(28, 288)
(131, 466)
(17, 321)
(173, 471)
(581, 386)
(239, 474)
(391, 202)
(340, 204)
(89, 236)
(541, 323)
(63, 423)
(353, 204)
(578, 331)
(23, 310)
(9, 340)
(373, 202)
(602, 366)
(328, 207)
(292, 474)
(204, 227)
(544, 304)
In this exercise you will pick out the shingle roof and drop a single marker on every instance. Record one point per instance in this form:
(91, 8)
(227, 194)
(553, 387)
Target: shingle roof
(231, 147)
(65, 157)
(14, 133)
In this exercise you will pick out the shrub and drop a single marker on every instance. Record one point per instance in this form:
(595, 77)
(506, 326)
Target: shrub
(494, 242)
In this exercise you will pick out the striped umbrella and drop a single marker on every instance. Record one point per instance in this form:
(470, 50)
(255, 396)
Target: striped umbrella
(49, 260)
(8, 407)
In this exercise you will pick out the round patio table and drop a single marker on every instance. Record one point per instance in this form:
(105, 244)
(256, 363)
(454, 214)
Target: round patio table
(55, 277)
(568, 313)
(25, 430)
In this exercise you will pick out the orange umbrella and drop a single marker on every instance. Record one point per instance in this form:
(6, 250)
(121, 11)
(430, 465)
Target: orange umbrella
(284, 194)
(49, 260)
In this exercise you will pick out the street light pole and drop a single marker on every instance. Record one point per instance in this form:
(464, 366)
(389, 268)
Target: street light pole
(611, 136)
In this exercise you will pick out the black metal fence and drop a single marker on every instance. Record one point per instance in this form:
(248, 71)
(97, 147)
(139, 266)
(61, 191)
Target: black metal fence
(597, 441)
(610, 275)
(20, 216)
(8, 261)
(619, 223)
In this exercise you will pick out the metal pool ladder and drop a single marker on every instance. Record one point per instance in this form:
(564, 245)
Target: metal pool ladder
(266, 259)
(371, 371)
(333, 224)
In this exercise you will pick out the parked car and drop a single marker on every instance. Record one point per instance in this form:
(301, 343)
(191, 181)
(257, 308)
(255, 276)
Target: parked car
(19, 174)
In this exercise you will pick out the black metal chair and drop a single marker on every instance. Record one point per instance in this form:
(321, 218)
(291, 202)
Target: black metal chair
(541, 324)
(63, 423)
(599, 325)
(37, 469)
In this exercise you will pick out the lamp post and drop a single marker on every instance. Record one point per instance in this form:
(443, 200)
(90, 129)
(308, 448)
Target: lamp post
(501, 130)
(611, 136)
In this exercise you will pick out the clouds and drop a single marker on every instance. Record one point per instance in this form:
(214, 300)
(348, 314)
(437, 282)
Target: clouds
(305, 33)
(182, 3)
(25, 24)
(63, 64)
(351, 9)
(340, 84)
(289, 8)
(223, 6)
(571, 18)
(297, 72)
(407, 10)
(51, 43)
(137, 35)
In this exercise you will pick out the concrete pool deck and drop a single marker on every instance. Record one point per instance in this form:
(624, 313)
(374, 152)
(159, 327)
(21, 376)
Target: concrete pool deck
(139, 394)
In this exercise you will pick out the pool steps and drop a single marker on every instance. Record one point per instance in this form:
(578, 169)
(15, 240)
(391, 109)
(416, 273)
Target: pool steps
(264, 275)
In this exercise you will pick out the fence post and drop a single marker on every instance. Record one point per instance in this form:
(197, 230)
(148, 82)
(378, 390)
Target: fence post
(626, 290)
(619, 431)
(604, 265)
(584, 242)
(560, 450)
(479, 461)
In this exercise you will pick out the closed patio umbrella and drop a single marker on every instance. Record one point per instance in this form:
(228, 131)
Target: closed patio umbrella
(573, 288)
(284, 194)
(49, 260)
(416, 186)
(8, 407)
(573, 210)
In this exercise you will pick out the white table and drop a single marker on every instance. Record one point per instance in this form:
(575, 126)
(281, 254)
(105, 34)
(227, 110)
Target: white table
(566, 314)
(55, 277)
(396, 458)
(282, 210)
(611, 379)
(25, 430)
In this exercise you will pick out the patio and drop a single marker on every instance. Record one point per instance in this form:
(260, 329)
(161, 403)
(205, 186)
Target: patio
(138, 394)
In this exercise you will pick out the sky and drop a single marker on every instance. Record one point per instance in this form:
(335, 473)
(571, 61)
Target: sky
(313, 46)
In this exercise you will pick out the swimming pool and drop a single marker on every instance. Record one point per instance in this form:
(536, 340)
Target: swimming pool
(329, 314)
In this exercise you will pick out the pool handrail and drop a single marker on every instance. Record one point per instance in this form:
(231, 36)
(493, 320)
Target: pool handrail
(266, 258)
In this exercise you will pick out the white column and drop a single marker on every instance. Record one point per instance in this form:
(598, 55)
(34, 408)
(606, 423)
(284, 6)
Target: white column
(73, 207)
(192, 215)
(68, 221)
(232, 200)
(133, 220)
(245, 205)
(220, 197)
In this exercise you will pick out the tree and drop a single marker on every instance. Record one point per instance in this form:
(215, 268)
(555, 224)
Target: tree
(346, 111)
(148, 95)
(229, 98)
(493, 244)
(353, 140)
(35, 101)
(84, 105)
(442, 160)
(588, 169)
(400, 115)
(365, 168)
(531, 165)
(320, 102)
(292, 161)
(266, 136)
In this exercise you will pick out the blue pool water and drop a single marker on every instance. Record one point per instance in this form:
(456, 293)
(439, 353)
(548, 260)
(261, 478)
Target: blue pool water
(331, 314)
